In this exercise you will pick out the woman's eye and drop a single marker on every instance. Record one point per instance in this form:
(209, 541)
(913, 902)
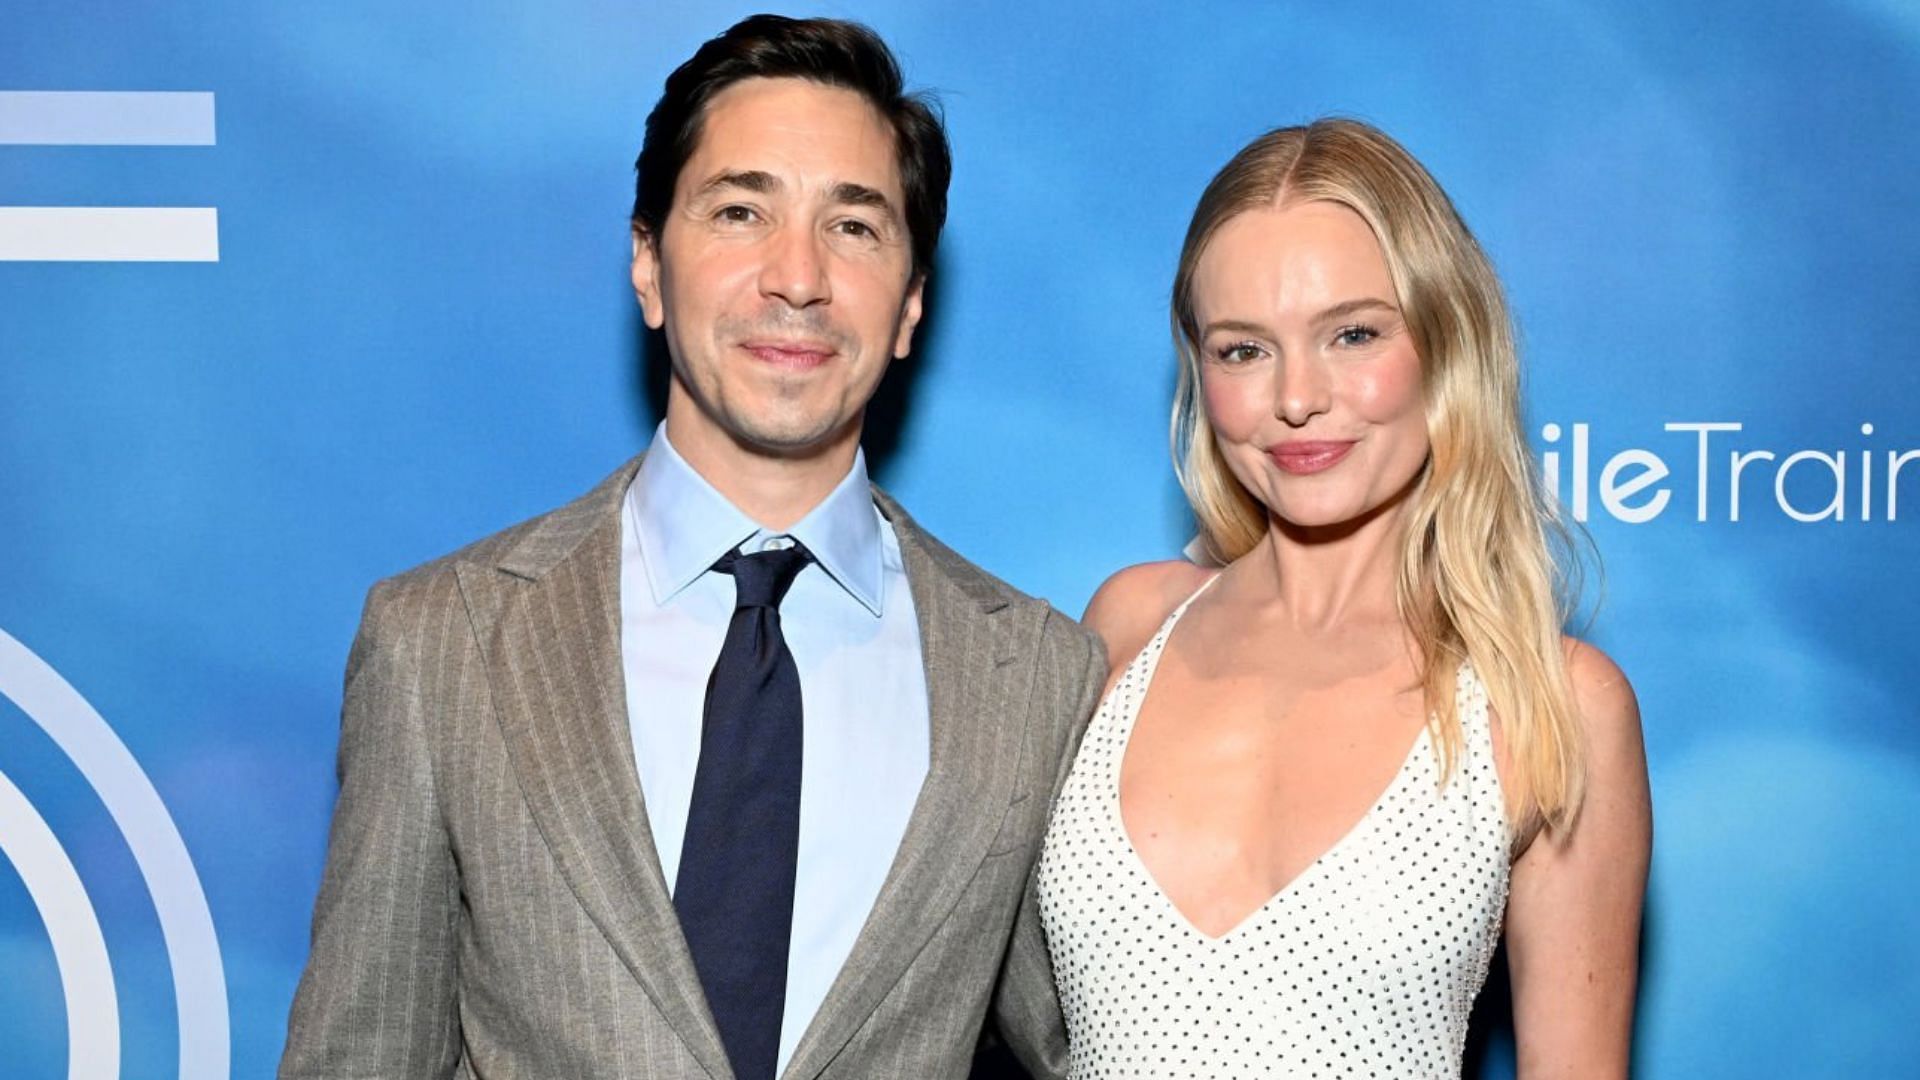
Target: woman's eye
(1243, 352)
(1355, 335)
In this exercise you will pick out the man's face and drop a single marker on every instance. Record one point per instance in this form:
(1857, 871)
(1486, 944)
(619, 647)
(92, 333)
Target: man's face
(783, 272)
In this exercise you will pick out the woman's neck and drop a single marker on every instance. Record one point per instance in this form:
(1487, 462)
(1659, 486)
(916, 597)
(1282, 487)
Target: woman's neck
(1337, 576)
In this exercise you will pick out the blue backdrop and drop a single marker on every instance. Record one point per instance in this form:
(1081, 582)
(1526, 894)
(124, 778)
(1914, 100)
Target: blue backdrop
(418, 330)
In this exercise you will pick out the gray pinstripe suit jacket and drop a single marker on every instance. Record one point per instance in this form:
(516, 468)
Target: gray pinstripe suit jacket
(492, 906)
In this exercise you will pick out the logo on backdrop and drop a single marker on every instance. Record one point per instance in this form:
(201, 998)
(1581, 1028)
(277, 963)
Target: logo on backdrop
(1709, 470)
(107, 233)
(79, 948)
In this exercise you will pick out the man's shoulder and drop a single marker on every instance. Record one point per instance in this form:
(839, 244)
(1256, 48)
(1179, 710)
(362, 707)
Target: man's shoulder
(527, 548)
(1058, 631)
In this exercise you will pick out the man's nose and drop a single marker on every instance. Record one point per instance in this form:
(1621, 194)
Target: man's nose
(795, 270)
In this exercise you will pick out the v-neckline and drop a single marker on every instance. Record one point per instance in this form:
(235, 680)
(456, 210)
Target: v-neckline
(1158, 647)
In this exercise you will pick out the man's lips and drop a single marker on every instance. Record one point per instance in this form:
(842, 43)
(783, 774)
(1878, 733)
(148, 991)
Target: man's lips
(1307, 456)
(791, 355)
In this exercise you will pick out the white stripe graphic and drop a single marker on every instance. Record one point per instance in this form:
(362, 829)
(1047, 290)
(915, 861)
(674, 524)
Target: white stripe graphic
(109, 234)
(105, 118)
(193, 951)
(79, 949)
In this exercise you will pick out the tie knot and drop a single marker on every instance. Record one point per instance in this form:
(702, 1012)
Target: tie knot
(763, 578)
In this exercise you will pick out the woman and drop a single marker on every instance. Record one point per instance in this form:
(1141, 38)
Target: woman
(1248, 872)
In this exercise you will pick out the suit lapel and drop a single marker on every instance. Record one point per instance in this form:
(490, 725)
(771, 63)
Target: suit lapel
(548, 618)
(969, 636)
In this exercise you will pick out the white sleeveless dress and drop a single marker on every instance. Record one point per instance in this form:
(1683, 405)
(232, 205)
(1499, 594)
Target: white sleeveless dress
(1365, 965)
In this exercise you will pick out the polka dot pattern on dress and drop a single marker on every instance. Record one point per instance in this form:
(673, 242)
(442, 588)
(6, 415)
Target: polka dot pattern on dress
(1366, 965)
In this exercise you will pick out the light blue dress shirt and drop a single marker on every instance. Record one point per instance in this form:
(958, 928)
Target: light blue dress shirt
(849, 621)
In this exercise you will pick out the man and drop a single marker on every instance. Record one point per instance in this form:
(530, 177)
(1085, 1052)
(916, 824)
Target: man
(726, 768)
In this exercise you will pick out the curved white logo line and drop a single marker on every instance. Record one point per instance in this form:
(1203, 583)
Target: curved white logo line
(79, 949)
(193, 952)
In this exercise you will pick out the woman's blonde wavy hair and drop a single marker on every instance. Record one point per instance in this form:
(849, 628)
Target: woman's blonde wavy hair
(1478, 580)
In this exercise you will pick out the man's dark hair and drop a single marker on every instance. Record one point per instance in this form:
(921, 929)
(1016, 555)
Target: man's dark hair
(831, 52)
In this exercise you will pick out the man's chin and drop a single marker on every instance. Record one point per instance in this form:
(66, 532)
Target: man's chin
(795, 439)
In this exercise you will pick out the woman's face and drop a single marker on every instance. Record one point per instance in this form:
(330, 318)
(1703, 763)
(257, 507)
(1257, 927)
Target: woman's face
(1310, 379)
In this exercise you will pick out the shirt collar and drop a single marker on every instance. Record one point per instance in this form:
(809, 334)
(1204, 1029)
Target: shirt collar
(684, 525)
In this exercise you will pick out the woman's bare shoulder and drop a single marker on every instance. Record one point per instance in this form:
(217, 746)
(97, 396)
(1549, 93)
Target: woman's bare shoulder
(1616, 800)
(1129, 606)
(1600, 689)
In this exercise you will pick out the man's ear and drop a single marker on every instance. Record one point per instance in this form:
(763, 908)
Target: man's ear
(646, 278)
(909, 317)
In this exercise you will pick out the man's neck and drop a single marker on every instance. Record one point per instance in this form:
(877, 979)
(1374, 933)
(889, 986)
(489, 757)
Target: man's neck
(775, 491)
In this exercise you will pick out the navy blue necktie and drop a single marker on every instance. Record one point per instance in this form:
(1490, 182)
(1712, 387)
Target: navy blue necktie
(734, 888)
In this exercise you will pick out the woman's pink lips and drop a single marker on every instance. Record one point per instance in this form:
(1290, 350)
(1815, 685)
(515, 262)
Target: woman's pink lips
(1306, 457)
(794, 356)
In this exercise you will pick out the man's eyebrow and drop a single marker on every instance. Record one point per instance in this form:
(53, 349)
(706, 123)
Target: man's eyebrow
(847, 193)
(754, 180)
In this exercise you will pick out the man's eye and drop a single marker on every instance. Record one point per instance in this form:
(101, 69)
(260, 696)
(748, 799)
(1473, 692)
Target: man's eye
(856, 227)
(735, 214)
